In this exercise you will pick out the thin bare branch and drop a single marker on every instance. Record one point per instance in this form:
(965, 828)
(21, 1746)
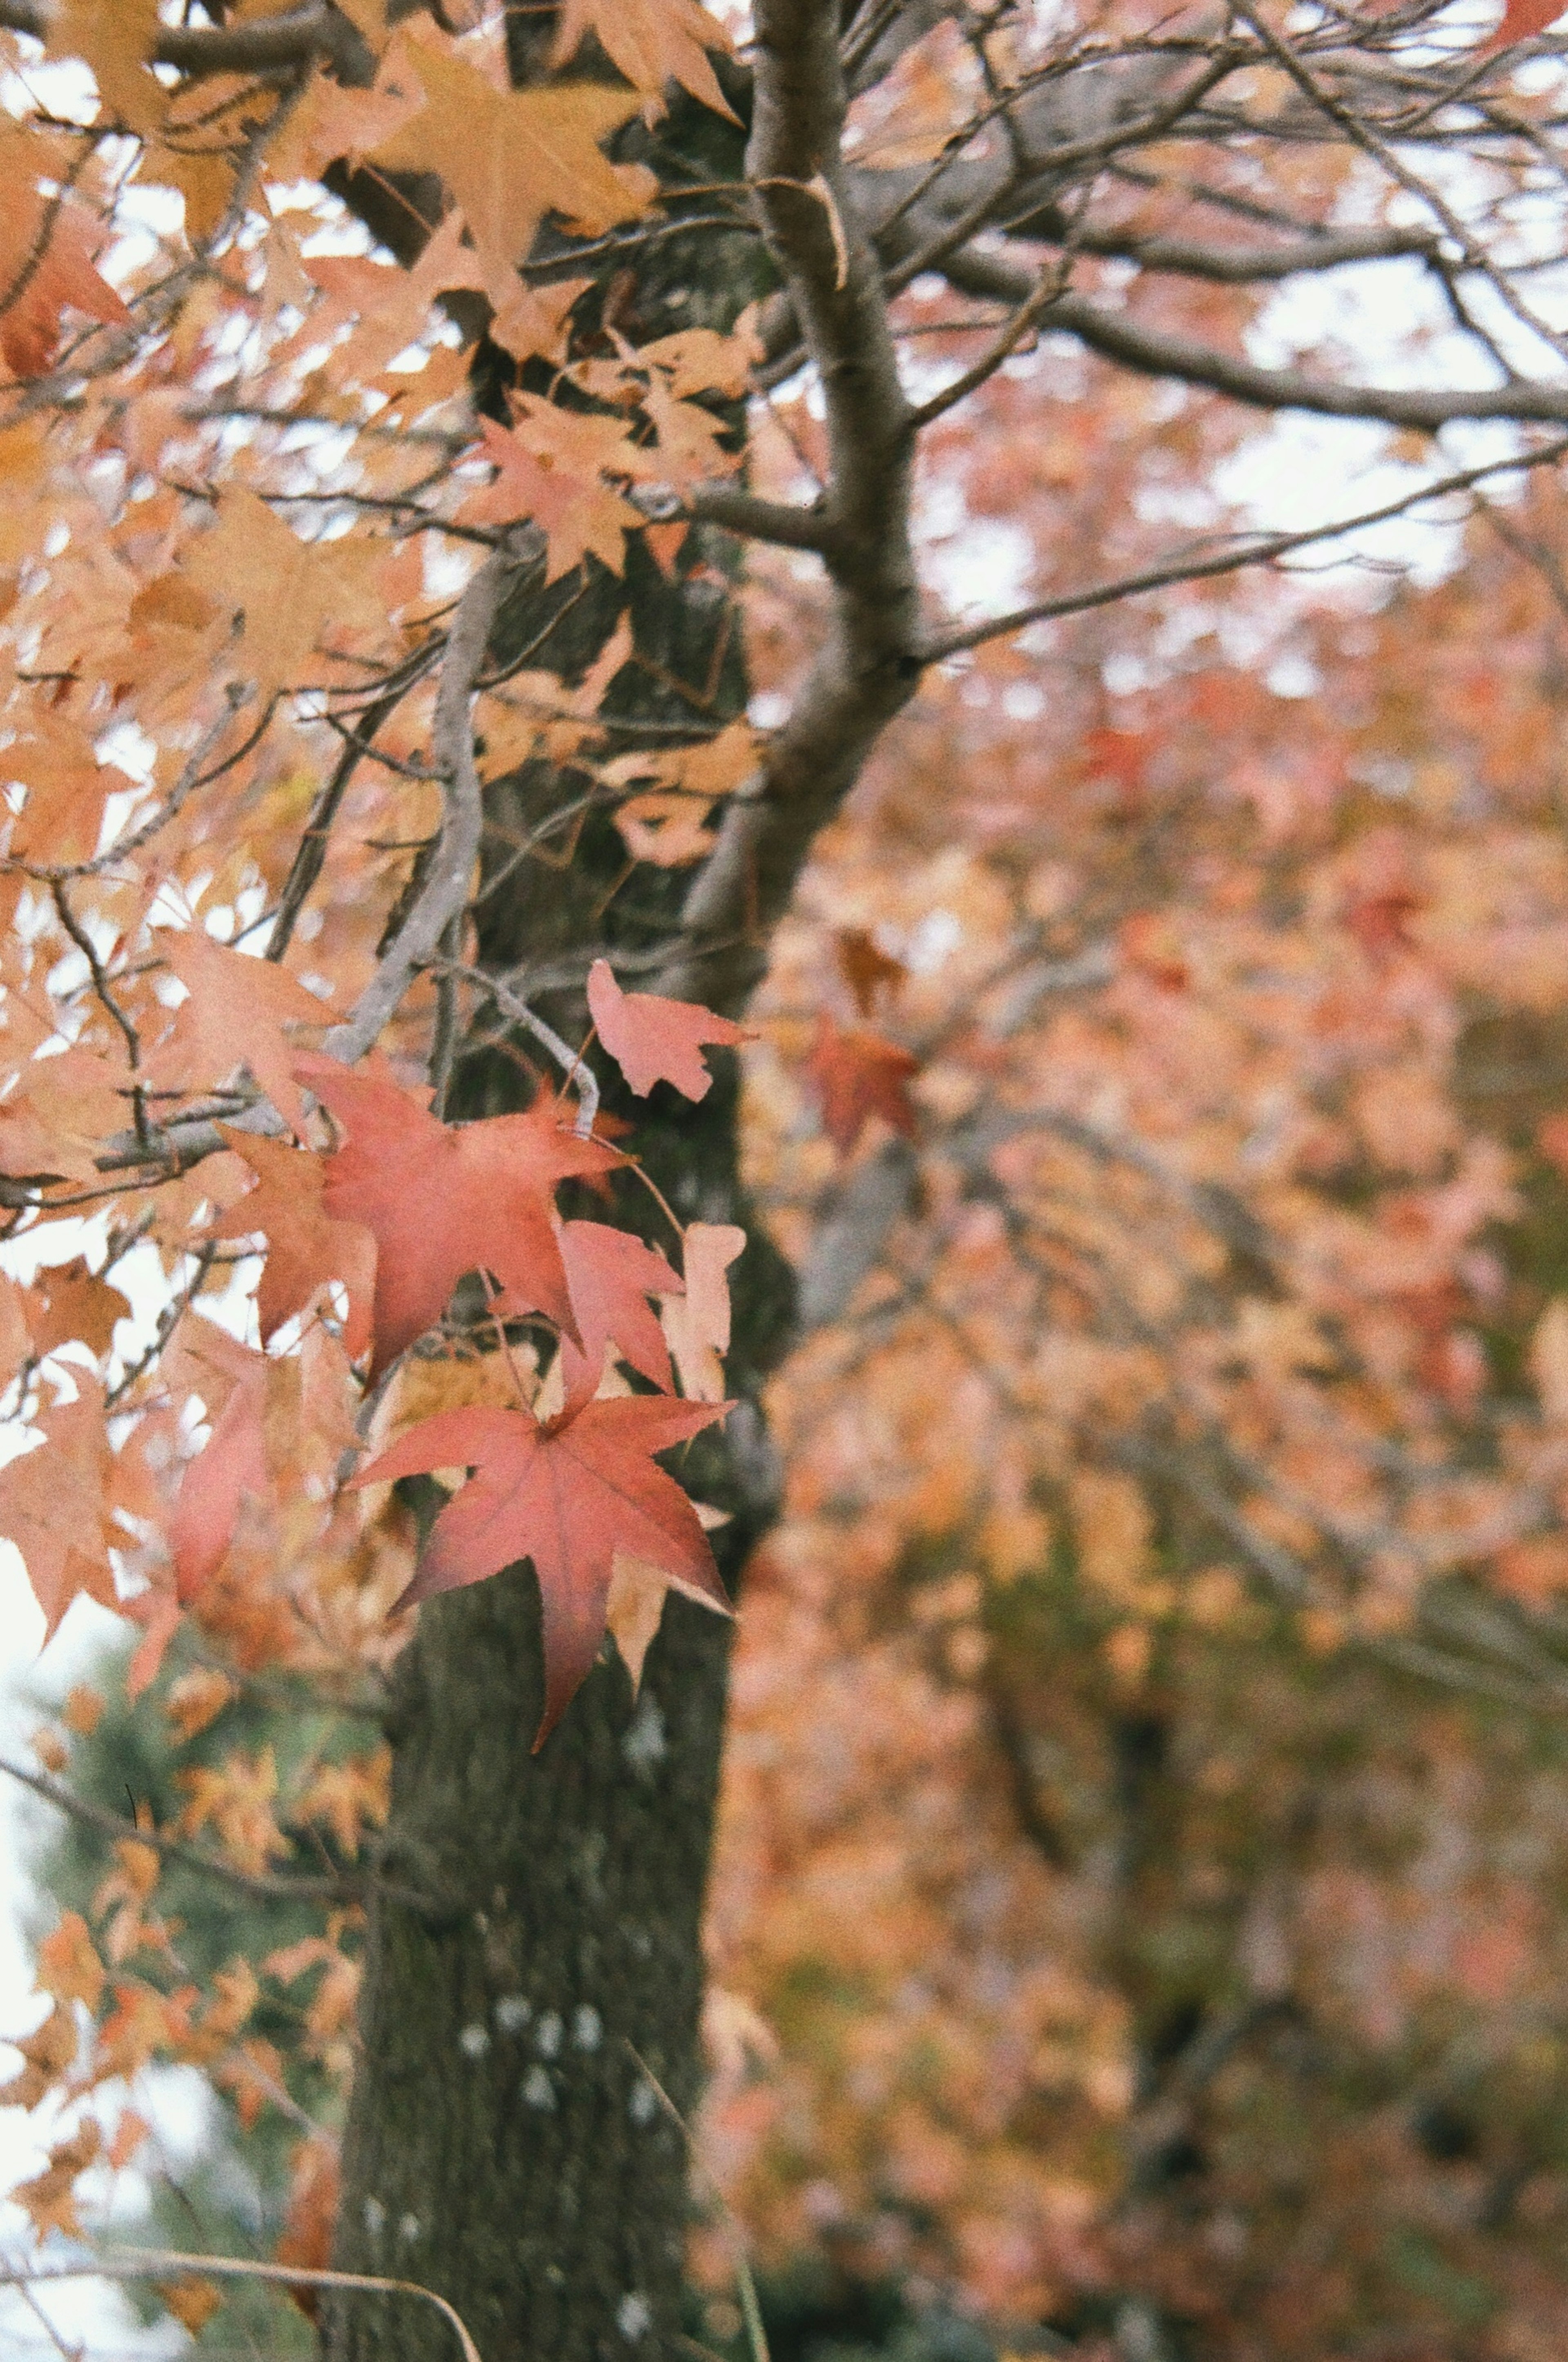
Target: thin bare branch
(1263, 550)
(444, 892)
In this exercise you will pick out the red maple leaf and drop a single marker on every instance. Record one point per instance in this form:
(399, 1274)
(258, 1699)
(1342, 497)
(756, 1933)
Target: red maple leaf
(1521, 20)
(442, 1200)
(231, 1467)
(653, 1040)
(857, 1075)
(570, 1496)
(610, 1274)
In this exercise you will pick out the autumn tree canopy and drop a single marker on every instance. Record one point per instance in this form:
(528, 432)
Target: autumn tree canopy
(481, 486)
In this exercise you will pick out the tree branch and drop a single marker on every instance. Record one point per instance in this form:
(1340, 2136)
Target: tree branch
(264, 45)
(866, 668)
(1155, 352)
(445, 893)
(757, 520)
(262, 1886)
(1254, 551)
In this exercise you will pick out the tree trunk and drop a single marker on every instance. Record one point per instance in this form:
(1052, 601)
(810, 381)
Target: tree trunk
(505, 2145)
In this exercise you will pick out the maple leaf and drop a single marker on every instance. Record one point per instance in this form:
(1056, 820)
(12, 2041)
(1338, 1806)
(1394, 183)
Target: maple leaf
(690, 449)
(306, 1248)
(511, 157)
(192, 2302)
(46, 258)
(653, 1040)
(570, 1496)
(49, 2198)
(1521, 20)
(49, 2053)
(56, 1119)
(54, 1503)
(235, 1015)
(68, 1302)
(274, 599)
(868, 970)
(700, 360)
(69, 1966)
(652, 41)
(666, 831)
(857, 1075)
(549, 469)
(231, 1467)
(610, 1275)
(698, 1323)
(442, 1200)
(67, 789)
(115, 38)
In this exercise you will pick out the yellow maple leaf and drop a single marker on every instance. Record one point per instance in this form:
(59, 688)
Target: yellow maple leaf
(512, 156)
(114, 38)
(652, 41)
(275, 599)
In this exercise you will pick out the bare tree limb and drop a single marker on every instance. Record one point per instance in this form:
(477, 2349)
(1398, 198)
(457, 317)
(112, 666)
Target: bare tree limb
(1156, 352)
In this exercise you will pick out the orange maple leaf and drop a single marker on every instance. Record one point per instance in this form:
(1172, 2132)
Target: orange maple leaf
(856, 1074)
(68, 1303)
(54, 1503)
(510, 158)
(551, 468)
(697, 1324)
(235, 1014)
(270, 602)
(652, 41)
(48, 2199)
(46, 261)
(306, 1248)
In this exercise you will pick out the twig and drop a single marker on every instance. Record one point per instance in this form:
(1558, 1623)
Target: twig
(757, 2336)
(263, 1885)
(577, 1072)
(155, 2263)
(1259, 551)
(444, 892)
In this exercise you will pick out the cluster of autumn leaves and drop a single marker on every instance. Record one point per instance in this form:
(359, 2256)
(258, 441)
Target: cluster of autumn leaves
(402, 1210)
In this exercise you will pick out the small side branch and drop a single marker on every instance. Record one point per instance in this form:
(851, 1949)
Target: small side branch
(262, 1886)
(265, 45)
(577, 1070)
(1263, 549)
(445, 893)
